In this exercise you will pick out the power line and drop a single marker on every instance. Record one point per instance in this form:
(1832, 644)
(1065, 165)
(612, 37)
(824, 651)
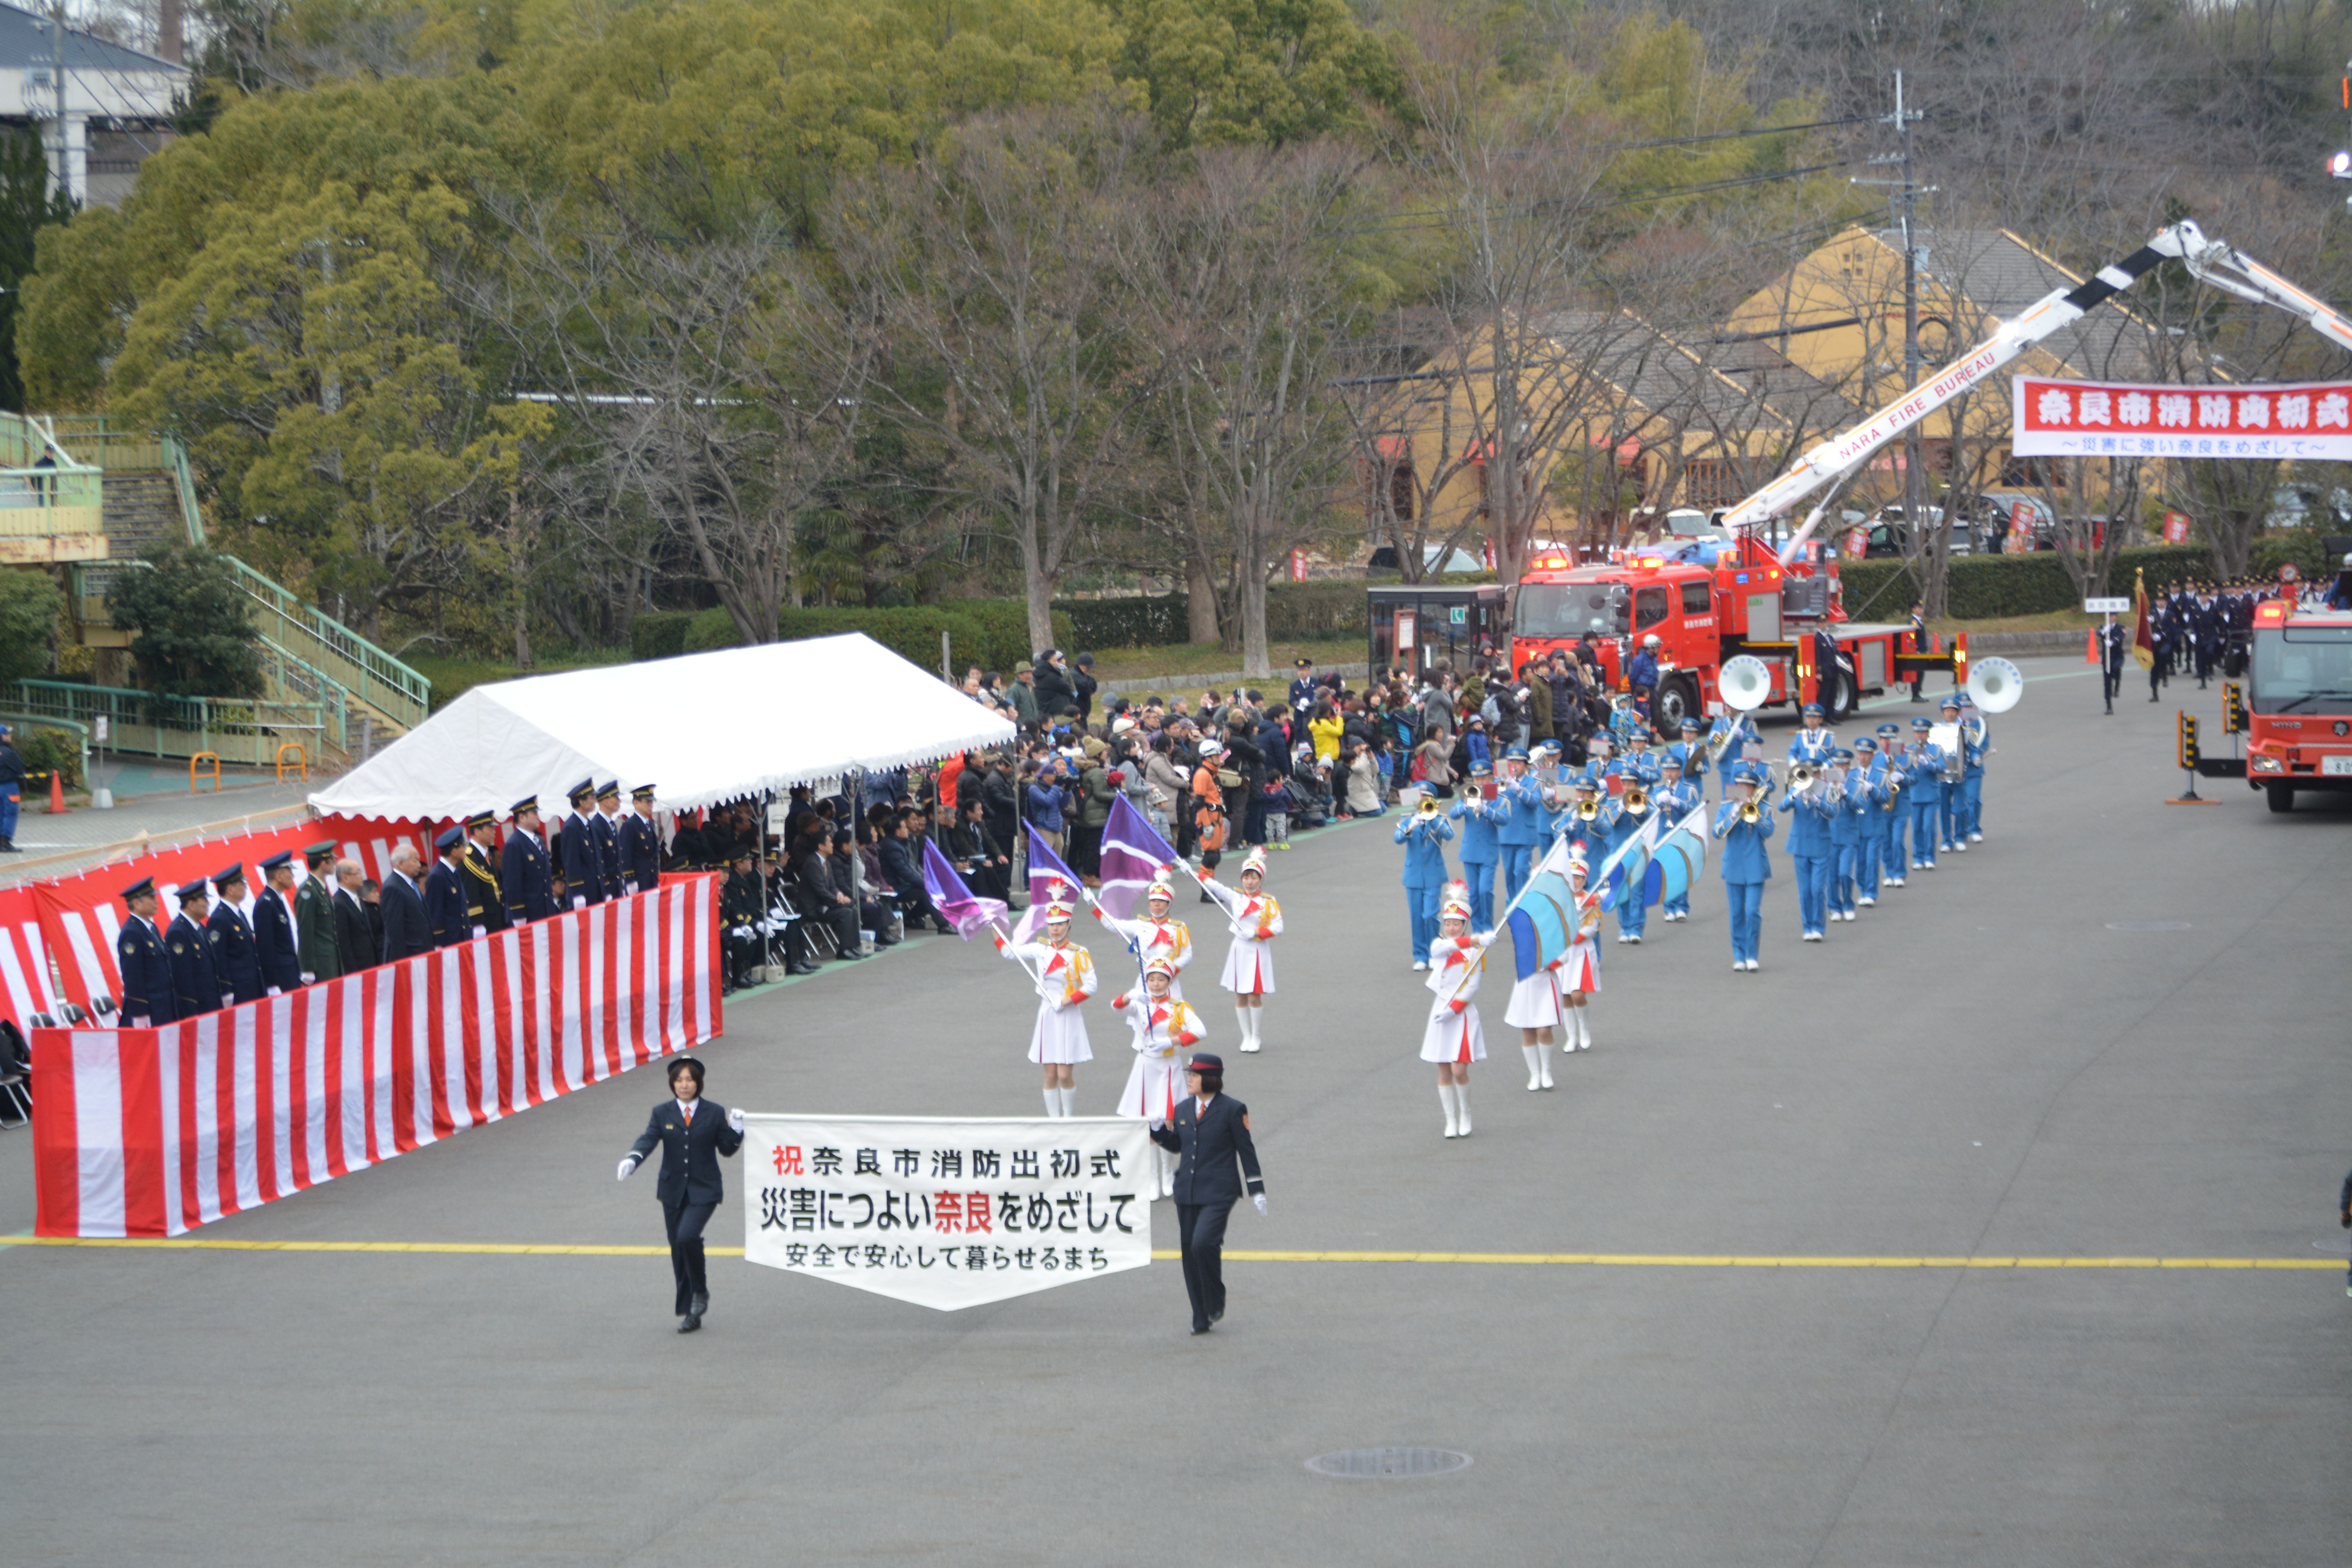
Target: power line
(1669, 192)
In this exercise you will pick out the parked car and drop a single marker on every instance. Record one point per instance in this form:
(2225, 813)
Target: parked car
(1889, 531)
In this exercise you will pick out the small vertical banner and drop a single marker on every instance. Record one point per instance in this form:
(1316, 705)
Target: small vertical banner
(2176, 528)
(1857, 541)
(1299, 566)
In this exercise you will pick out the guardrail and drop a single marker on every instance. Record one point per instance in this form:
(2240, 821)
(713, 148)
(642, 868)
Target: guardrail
(364, 671)
(246, 732)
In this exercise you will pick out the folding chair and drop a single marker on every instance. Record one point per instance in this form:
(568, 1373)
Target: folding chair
(15, 1078)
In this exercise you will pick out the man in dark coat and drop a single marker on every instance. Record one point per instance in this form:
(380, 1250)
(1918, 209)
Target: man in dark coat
(584, 876)
(147, 996)
(357, 942)
(694, 1134)
(485, 901)
(523, 868)
(640, 843)
(273, 926)
(234, 954)
(445, 892)
(406, 931)
(197, 986)
(607, 825)
(1213, 1134)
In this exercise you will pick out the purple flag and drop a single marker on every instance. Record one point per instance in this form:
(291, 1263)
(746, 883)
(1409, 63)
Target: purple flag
(966, 908)
(1046, 874)
(1133, 856)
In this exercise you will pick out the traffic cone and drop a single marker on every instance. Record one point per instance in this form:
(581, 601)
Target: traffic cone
(2091, 647)
(57, 793)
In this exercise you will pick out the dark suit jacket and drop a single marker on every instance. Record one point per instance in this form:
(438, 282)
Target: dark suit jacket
(444, 906)
(406, 931)
(523, 878)
(147, 990)
(1211, 1148)
(690, 1154)
(583, 870)
(233, 956)
(355, 940)
(273, 932)
(197, 986)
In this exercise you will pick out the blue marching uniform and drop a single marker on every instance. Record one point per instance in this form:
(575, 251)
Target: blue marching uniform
(1678, 801)
(1423, 835)
(1634, 914)
(1924, 785)
(1809, 849)
(1518, 830)
(1976, 739)
(1481, 847)
(1850, 805)
(1815, 748)
(1871, 818)
(1743, 732)
(1747, 867)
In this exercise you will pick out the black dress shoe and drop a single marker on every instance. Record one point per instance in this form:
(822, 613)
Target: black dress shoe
(698, 1303)
(689, 1323)
(1218, 1316)
(799, 969)
(1197, 1328)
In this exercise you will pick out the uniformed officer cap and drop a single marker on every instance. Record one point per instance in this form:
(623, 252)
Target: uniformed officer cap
(1811, 711)
(584, 790)
(317, 853)
(527, 802)
(139, 889)
(1921, 725)
(686, 1064)
(223, 878)
(1690, 726)
(272, 862)
(450, 838)
(642, 792)
(191, 892)
(1844, 755)
(609, 790)
(1515, 754)
(1205, 1061)
(1866, 744)
(481, 819)
(1477, 768)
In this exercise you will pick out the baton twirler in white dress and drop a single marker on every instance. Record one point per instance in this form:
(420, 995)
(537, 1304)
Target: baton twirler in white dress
(1164, 1028)
(1160, 936)
(1452, 1039)
(1256, 920)
(1064, 976)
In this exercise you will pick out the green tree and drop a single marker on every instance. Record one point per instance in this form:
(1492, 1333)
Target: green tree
(1252, 70)
(195, 634)
(26, 206)
(29, 606)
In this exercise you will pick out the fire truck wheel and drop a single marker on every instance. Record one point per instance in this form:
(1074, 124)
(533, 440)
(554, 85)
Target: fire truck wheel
(2281, 796)
(1837, 692)
(1674, 701)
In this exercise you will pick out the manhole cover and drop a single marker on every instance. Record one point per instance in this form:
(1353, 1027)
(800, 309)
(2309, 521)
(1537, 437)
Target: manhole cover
(2148, 925)
(1385, 1464)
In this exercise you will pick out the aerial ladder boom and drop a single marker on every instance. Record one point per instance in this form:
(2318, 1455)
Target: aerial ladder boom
(1829, 464)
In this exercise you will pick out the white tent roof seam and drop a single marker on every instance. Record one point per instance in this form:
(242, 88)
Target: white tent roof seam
(702, 728)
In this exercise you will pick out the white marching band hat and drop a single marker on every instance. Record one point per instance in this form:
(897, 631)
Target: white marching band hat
(1455, 902)
(1162, 965)
(1255, 860)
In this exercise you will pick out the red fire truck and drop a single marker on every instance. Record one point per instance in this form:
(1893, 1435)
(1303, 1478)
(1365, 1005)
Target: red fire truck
(2299, 701)
(1708, 602)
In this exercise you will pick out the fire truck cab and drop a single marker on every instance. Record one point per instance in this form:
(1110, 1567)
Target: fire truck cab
(1707, 602)
(2299, 701)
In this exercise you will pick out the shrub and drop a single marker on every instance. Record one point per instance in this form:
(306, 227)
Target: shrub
(46, 751)
(30, 607)
(1985, 587)
(1004, 634)
(1318, 612)
(658, 633)
(195, 625)
(1096, 623)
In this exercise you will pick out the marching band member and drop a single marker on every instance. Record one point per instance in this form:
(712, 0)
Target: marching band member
(1423, 833)
(1952, 811)
(1976, 739)
(1872, 819)
(1452, 1039)
(1810, 849)
(1636, 809)
(1159, 935)
(1924, 785)
(1849, 802)
(1249, 963)
(1065, 973)
(1690, 753)
(1587, 821)
(1520, 822)
(1480, 847)
(1163, 1026)
(1897, 807)
(1580, 966)
(1731, 734)
(1535, 1009)
(1746, 829)
(1813, 744)
(1677, 795)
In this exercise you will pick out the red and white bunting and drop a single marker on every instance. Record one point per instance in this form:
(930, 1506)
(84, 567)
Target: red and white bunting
(156, 1132)
(2134, 419)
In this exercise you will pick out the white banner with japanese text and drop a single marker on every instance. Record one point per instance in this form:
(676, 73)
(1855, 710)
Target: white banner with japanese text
(946, 1211)
(2128, 419)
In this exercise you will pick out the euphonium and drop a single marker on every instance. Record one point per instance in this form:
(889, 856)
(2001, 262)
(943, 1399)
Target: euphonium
(1800, 778)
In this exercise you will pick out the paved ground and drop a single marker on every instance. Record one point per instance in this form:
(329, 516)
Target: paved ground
(1983, 1067)
(59, 846)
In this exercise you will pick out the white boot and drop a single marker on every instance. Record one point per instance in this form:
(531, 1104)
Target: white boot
(1535, 1070)
(1241, 1026)
(1053, 1103)
(1453, 1117)
(1544, 1058)
(1583, 1030)
(1070, 1100)
(1462, 1103)
(1257, 1027)
(1163, 1170)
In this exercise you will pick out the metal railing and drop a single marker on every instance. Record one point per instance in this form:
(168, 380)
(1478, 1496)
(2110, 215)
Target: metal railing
(176, 458)
(245, 732)
(300, 681)
(366, 673)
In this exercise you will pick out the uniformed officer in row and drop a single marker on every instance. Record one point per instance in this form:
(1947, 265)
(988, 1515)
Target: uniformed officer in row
(525, 873)
(640, 843)
(314, 918)
(445, 891)
(583, 878)
(273, 926)
(235, 957)
(486, 902)
(147, 996)
(607, 825)
(196, 984)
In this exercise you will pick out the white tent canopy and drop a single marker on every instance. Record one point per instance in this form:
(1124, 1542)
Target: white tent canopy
(702, 729)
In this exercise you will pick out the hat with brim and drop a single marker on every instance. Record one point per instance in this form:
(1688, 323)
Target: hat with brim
(144, 887)
(282, 860)
(527, 802)
(686, 1064)
(320, 854)
(584, 790)
(221, 878)
(1205, 1061)
(481, 819)
(191, 892)
(450, 838)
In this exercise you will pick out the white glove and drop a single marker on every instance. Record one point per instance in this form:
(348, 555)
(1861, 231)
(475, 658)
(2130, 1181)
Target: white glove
(275, 991)
(734, 1120)
(138, 1023)
(228, 998)
(628, 1167)
(308, 978)
(579, 900)
(1260, 1201)
(482, 931)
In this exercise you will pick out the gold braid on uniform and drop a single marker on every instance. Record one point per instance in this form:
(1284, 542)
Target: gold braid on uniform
(480, 871)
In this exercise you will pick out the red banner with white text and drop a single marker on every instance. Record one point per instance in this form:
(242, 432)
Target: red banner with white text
(2131, 419)
(156, 1132)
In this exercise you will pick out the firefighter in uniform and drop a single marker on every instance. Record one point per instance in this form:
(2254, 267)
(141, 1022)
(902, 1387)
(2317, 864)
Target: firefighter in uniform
(147, 992)
(195, 984)
(231, 939)
(485, 901)
(640, 843)
(606, 832)
(524, 874)
(583, 876)
(445, 892)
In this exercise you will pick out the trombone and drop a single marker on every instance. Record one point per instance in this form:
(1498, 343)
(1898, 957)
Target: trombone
(1637, 800)
(1749, 811)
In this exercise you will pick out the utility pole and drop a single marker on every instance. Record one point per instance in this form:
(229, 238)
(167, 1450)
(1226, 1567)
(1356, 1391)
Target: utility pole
(1903, 119)
(59, 170)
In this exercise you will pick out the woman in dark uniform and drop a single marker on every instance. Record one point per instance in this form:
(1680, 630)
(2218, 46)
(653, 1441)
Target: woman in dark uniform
(694, 1134)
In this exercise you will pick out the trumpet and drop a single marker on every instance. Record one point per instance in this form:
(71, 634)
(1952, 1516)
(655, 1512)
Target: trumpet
(1588, 810)
(1428, 806)
(1802, 777)
(1637, 800)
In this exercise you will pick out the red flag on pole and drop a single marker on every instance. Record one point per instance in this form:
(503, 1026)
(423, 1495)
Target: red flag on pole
(2143, 639)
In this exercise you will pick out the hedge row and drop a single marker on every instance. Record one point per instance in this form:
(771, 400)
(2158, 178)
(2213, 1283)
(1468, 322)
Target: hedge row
(1984, 587)
(659, 634)
(1295, 612)
(991, 634)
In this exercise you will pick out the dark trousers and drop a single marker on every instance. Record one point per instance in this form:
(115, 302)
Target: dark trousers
(684, 1221)
(1085, 849)
(1200, 1229)
(2111, 680)
(843, 918)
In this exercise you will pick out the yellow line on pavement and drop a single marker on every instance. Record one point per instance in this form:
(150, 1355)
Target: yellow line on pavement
(1587, 1259)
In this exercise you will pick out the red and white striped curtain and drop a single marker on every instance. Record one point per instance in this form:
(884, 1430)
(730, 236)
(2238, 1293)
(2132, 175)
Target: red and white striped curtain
(155, 1131)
